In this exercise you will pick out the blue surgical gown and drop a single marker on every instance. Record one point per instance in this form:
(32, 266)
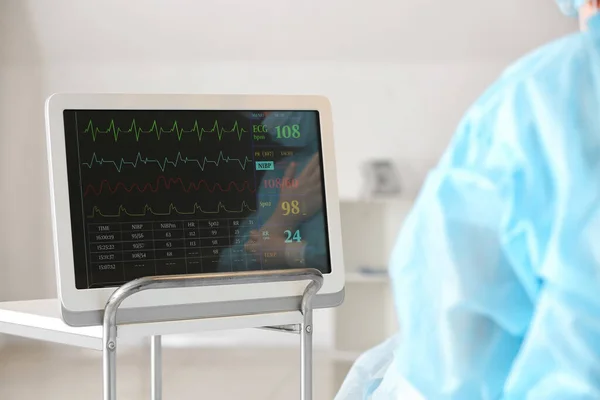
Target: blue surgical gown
(496, 272)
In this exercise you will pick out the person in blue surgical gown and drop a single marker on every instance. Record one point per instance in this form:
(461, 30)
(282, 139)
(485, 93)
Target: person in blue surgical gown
(496, 272)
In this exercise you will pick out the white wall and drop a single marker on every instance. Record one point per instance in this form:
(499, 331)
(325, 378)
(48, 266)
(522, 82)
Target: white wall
(399, 75)
(25, 243)
(287, 30)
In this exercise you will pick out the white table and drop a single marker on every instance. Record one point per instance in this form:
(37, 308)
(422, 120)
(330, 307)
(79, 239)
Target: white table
(41, 320)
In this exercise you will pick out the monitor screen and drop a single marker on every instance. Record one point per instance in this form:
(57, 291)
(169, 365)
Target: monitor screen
(167, 192)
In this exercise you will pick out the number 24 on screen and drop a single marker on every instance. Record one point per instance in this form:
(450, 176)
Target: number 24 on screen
(295, 237)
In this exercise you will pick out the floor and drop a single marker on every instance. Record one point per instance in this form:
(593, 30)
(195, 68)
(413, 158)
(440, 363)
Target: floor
(36, 371)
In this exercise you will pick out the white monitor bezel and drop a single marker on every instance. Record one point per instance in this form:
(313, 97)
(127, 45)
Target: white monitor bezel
(77, 300)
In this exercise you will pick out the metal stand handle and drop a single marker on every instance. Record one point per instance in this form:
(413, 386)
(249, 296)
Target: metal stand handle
(156, 367)
(221, 279)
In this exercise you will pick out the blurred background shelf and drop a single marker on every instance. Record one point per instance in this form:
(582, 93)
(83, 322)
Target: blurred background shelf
(367, 317)
(359, 277)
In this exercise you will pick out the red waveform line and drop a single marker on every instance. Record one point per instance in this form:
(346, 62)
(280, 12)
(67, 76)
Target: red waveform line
(167, 183)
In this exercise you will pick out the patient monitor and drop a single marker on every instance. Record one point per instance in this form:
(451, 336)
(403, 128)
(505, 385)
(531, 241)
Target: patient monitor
(148, 185)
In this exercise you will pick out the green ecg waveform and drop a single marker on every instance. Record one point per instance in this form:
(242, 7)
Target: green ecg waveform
(159, 131)
(172, 209)
(164, 163)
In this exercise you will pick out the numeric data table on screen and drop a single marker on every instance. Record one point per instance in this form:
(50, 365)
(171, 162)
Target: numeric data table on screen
(129, 250)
